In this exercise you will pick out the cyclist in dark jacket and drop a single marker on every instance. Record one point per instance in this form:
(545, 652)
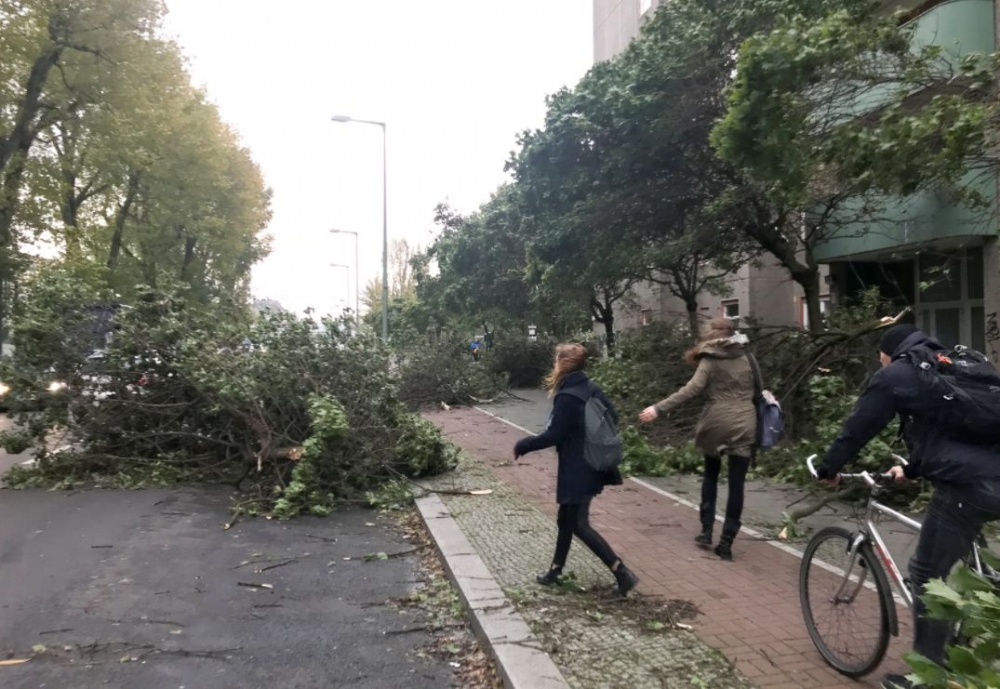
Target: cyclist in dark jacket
(577, 482)
(966, 476)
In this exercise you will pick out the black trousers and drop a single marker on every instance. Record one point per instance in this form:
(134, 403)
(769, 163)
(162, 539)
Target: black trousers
(738, 468)
(574, 520)
(955, 516)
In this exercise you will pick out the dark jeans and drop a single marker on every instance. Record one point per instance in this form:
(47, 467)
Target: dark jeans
(738, 468)
(575, 520)
(955, 516)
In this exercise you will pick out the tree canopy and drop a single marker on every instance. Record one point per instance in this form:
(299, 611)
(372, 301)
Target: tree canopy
(110, 154)
(725, 133)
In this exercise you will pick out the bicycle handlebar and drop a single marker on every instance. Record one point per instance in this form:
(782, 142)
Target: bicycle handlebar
(864, 475)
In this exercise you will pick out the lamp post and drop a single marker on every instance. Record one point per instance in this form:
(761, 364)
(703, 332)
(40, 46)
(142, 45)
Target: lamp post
(357, 272)
(348, 283)
(385, 223)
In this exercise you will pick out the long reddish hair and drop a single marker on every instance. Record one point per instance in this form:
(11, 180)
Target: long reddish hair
(569, 359)
(716, 329)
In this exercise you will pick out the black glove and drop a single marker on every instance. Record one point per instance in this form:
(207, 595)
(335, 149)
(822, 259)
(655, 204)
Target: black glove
(520, 448)
(824, 473)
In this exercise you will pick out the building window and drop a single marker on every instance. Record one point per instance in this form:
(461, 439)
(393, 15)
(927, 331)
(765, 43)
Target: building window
(644, 6)
(950, 297)
(646, 317)
(825, 305)
(731, 310)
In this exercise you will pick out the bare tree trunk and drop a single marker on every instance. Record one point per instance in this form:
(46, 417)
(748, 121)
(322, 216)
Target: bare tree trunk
(121, 217)
(69, 210)
(603, 312)
(15, 146)
(692, 313)
(189, 245)
(804, 271)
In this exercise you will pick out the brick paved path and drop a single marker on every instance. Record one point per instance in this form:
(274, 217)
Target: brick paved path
(750, 607)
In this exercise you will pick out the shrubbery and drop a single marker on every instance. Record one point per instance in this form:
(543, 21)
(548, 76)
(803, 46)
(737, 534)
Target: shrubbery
(643, 458)
(649, 367)
(444, 371)
(522, 363)
(303, 413)
(817, 377)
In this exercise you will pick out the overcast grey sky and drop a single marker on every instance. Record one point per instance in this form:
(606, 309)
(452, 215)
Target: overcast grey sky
(455, 80)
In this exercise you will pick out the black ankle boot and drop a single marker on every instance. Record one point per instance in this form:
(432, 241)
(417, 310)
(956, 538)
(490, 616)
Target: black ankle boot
(707, 514)
(550, 577)
(626, 579)
(730, 528)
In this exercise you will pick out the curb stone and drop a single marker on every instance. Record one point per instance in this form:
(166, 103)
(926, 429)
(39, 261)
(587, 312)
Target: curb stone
(521, 662)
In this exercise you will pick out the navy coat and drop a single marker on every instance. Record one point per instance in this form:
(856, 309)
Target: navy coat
(577, 482)
(896, 390)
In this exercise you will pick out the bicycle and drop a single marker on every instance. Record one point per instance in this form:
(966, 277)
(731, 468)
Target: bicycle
(837, 565)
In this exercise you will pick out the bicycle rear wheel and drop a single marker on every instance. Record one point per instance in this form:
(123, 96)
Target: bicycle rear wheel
(847, 618)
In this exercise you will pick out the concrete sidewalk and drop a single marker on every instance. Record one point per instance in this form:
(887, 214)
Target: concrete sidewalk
(748, 610)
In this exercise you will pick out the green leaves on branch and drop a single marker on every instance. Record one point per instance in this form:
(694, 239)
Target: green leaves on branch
(853, 104)
(971, 602)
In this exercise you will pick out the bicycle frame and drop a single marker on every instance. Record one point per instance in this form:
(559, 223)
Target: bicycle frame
(869, 534)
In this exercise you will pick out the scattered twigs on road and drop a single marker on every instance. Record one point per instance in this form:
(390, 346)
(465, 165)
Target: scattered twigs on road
(324, 539)
(429, 629)
(291, 561)
(251, 585)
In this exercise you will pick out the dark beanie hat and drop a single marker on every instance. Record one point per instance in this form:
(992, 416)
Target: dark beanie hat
(895, 336)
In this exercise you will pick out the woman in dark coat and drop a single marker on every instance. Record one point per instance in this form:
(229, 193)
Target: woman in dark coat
(577, 483)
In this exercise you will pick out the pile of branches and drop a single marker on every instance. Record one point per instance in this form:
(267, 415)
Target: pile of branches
(649, 367)
(816, 375)
(299, 414)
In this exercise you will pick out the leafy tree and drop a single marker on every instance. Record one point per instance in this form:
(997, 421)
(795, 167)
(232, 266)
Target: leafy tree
(48, 45)
(620, 170)
(826, 116)
(115, 157)
(476, 275)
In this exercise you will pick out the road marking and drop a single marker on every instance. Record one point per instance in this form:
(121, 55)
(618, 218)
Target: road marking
(500, 418)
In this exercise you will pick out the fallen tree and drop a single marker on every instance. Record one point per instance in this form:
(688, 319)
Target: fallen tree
(298, 414)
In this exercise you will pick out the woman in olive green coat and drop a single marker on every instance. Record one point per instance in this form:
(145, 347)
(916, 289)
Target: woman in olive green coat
(728, 426)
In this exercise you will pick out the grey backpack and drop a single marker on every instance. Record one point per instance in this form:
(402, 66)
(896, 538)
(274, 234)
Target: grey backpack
(602, 448)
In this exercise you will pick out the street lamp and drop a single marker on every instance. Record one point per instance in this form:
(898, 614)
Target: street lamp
(385, 222)
(357, 272)
(348, 283)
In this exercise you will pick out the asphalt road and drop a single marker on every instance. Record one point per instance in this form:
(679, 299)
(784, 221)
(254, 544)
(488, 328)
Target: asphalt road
(142, 589)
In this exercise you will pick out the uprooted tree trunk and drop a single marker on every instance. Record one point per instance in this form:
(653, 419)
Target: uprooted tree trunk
(810, 508)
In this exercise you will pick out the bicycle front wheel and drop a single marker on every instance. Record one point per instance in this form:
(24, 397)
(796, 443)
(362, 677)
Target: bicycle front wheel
(845, 601)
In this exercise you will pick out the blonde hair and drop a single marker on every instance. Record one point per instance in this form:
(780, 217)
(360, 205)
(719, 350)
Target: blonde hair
(716, 329)
(569, 359)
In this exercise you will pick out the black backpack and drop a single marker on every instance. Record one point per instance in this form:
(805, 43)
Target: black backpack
(963, 389)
